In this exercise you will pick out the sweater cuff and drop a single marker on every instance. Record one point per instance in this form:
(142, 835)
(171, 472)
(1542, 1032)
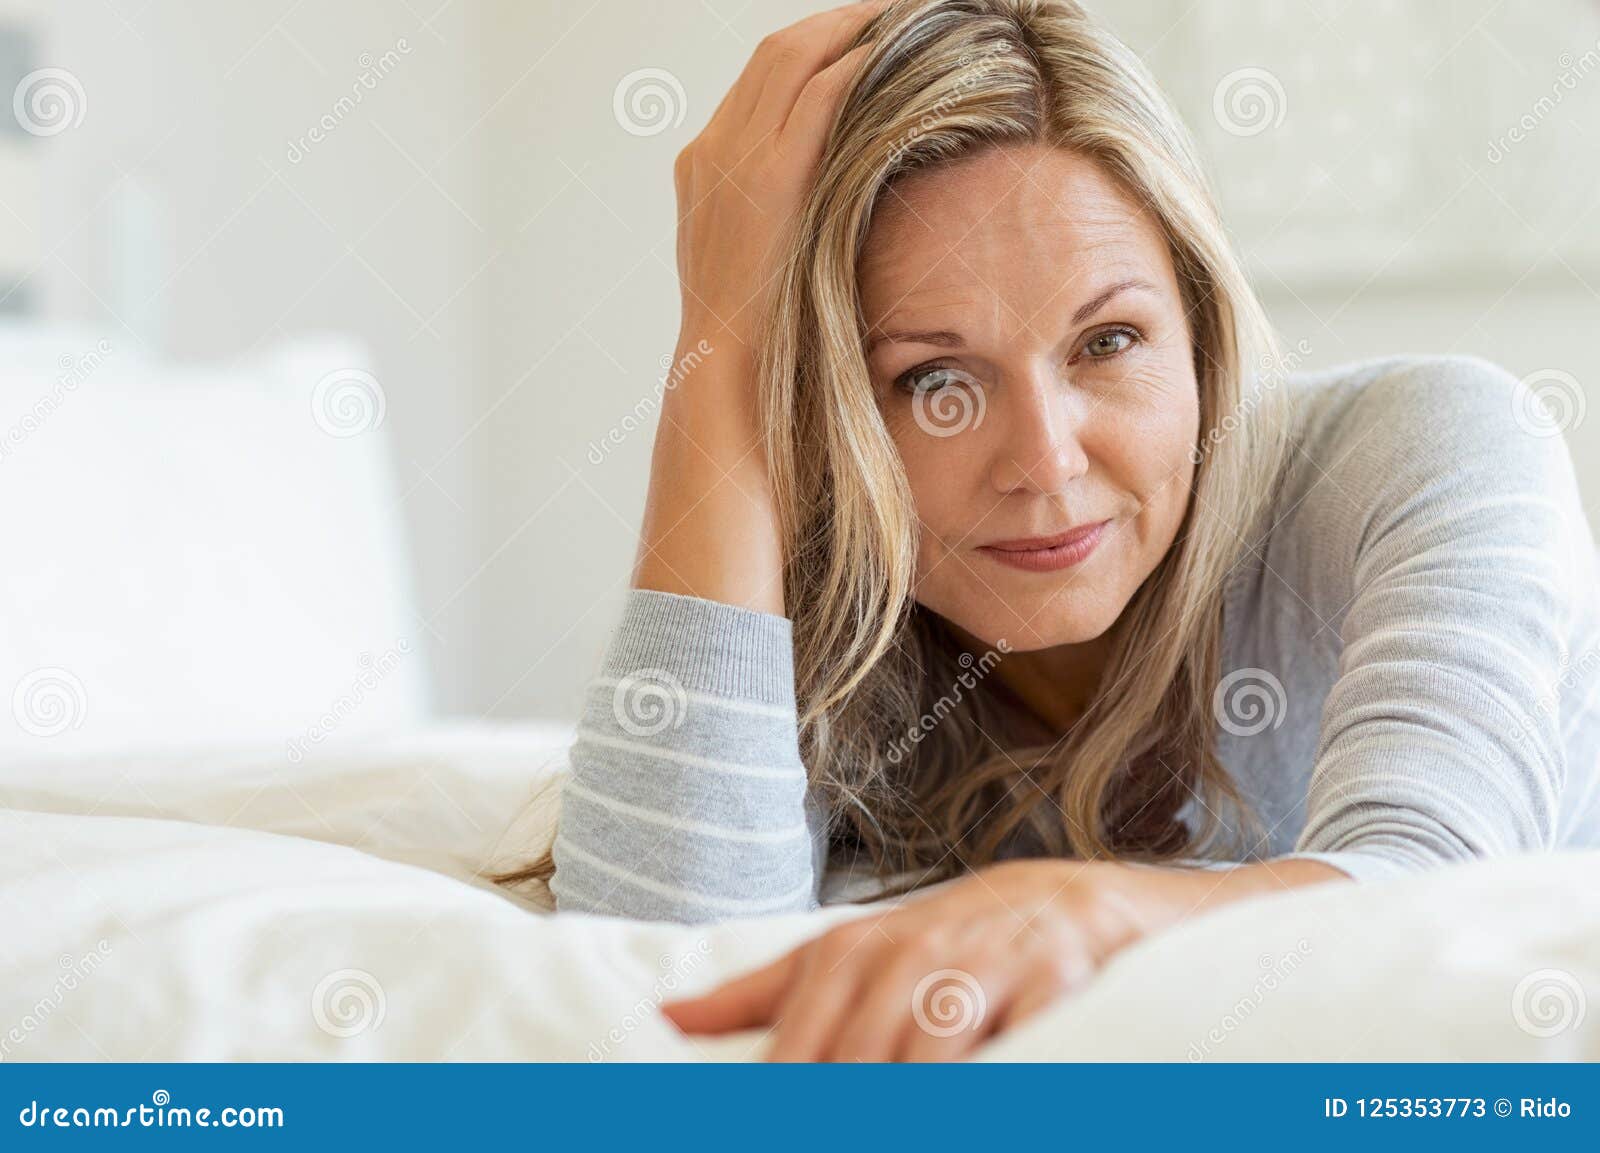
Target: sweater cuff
(1361, 867)
(707, 646)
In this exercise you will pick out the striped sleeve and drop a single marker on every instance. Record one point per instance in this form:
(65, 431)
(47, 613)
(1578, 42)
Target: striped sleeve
(687, 799)
(1452, 530)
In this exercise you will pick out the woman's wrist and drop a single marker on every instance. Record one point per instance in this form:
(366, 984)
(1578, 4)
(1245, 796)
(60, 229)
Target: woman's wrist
(1121, 903)
(710, 526)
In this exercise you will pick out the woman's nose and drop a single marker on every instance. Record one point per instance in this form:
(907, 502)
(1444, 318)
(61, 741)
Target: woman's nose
(1040, 447)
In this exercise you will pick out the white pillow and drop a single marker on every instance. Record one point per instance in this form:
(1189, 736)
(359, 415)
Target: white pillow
(197, 552)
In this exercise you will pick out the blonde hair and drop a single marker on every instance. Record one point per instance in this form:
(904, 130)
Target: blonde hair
(942, 79)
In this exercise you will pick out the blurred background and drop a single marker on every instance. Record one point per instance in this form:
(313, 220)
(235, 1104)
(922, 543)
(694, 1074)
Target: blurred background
(477, 195)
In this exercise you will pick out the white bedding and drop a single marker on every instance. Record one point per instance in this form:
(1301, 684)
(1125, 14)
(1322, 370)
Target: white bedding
(220, 903)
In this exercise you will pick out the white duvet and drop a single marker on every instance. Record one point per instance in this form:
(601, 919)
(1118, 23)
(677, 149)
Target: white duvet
(227, 903)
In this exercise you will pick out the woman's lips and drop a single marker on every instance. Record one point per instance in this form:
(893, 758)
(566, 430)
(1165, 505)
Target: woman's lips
(1050, 553)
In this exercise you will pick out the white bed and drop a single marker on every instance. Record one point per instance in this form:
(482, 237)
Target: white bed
(195, 864)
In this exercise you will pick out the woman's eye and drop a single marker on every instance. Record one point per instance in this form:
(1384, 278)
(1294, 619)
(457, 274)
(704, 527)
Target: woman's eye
(1109, 343)
(931, 378)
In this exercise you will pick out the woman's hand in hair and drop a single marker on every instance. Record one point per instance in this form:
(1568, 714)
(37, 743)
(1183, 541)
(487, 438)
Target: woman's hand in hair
(956, 965)
(742, 182)
(710, 525)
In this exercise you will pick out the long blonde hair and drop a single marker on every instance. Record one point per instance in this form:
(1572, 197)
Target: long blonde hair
(942, 79)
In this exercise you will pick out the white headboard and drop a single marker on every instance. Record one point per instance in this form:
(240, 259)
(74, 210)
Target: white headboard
(201, 552)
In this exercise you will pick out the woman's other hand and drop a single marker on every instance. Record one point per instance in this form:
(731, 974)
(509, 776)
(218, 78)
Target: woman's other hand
(938, 975)
(957, 965)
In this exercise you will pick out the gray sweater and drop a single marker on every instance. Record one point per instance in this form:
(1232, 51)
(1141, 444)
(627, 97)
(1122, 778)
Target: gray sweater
(1409, 678)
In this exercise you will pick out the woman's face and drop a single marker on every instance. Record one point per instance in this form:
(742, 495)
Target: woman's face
(1034, 364)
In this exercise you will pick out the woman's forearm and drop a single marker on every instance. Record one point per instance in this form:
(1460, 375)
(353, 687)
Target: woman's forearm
(709, 529)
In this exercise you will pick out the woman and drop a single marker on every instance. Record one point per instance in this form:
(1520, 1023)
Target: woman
(987, 539)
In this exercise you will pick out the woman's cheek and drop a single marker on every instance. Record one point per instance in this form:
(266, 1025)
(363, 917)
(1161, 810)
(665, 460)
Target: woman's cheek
(1159, 423)
(944, 475)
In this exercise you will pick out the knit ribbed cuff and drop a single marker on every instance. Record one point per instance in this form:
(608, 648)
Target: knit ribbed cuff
(709, 647)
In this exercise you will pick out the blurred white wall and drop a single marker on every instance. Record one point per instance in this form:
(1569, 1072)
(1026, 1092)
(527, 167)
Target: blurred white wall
(486, 221)
(190, 215)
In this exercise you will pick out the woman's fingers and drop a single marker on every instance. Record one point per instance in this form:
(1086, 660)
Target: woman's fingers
(735, 114)
(886, 1011)
(806, 130)
(1044, 984)
(743, 1003)
(820, 1002)
(803, 51)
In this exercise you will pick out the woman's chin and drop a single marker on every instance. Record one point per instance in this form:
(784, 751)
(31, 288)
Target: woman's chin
(1027, 638)
(1020, 628)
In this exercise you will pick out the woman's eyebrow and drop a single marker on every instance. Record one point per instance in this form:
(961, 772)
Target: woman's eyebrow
(943, 338)
(1099, 302)
(947, 339)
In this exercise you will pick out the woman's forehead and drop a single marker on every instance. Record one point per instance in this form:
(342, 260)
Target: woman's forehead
(1006, 215)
